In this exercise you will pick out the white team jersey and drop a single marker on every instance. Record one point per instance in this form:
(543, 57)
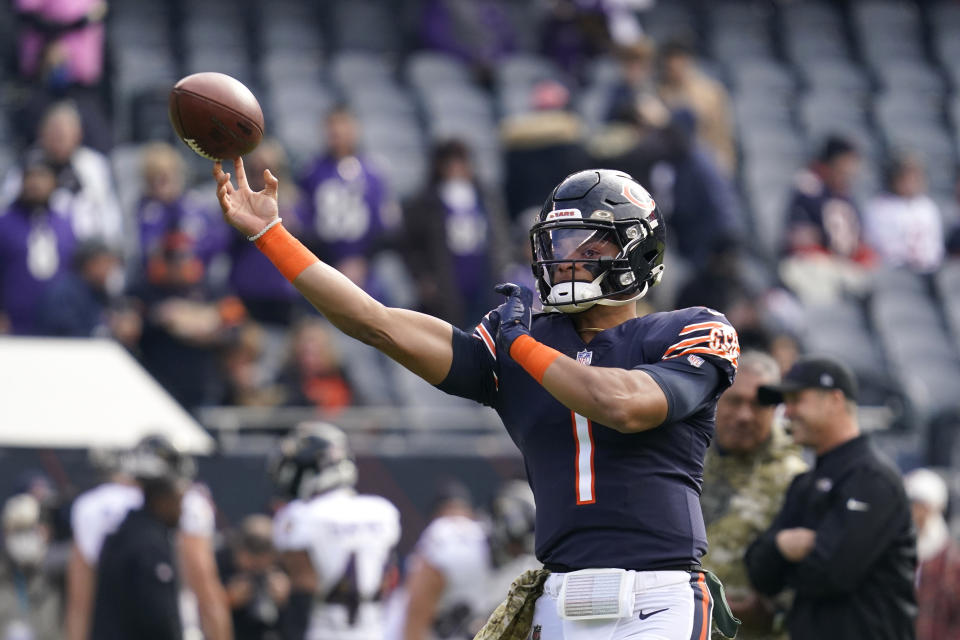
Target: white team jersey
(350, 539)
(457, 547)
(98, 512)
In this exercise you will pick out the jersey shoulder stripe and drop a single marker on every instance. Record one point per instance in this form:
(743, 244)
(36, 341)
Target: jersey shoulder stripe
(707, 338)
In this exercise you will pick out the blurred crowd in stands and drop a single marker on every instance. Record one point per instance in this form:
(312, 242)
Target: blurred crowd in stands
(412, 146)
(125, 241)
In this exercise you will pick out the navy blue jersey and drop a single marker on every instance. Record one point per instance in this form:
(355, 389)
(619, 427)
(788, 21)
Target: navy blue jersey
(605, 498)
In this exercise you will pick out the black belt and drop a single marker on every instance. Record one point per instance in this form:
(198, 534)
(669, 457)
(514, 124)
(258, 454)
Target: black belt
(562, 568)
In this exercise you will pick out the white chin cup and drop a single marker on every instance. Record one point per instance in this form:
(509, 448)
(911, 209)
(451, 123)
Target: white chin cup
(564, 295)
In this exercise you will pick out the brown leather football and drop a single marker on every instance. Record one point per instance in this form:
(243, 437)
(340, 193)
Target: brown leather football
(216, 115)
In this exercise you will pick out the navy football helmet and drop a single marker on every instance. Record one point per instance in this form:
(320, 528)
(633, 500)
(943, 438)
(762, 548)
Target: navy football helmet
(314, 459)
(599, 239)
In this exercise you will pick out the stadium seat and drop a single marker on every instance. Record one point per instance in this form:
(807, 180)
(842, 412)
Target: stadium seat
(732, 44)
(667, 20)
(525, 70)
(283, 66)
(365, 25)
(764, 76)
(822, 110)
(425, 69)
(215, 32)
(466, 101)
(754, 109)
(287, 34)
(907, 76)
(815, 47)
(897, 281)
(379, 98)
(835, 76)
(357, 67)
(882, 17)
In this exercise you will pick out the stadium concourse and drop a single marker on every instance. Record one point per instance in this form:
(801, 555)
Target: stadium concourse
(534, 90)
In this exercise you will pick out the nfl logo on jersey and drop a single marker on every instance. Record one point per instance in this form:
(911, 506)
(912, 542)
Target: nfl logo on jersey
(584, 357)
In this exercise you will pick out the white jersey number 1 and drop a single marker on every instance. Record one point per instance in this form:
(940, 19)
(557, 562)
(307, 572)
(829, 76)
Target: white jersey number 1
(583, 437)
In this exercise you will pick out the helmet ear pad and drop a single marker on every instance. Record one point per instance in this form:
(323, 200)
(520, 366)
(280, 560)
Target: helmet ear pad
(646, 256)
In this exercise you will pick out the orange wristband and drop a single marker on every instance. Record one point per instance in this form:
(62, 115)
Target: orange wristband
(286, 253)
(533, 356)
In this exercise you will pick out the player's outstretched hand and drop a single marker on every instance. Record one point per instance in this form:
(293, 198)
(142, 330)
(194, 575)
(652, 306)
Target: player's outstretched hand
(246, 210)
(515, 314)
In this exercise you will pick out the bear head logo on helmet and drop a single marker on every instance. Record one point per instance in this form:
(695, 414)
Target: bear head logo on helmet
(599, 239)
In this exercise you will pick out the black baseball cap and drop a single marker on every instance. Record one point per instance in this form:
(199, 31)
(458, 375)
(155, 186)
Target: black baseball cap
(811, 372)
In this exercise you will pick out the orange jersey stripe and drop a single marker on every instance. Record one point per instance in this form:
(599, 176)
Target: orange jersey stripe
(487, 340)
(689, 342)
(690, 328)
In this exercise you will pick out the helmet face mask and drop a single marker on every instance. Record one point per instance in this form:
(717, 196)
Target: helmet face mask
(313, 460)
(598, 240)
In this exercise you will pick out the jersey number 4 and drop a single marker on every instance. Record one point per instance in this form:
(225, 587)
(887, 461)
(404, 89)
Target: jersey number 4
(583, 438)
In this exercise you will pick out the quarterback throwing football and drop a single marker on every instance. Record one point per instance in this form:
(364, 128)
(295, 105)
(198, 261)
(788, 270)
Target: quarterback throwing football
(613, 412)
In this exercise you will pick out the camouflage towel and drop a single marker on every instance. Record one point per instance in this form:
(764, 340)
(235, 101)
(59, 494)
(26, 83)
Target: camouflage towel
(514, 617)
(723, 617)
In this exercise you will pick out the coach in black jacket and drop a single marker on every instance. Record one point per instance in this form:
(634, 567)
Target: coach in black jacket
(843, 539)
(137, 587)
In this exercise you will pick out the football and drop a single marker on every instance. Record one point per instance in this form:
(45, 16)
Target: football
(216, 115)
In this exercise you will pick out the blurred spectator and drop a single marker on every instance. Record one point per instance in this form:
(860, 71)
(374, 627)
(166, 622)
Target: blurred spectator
(746, 474)
(29, 602)
(693, 194)
(98, 512)
(84, 186)
(722, 285)
(267, 296)
(457, 239)
(257, 590)
(165, 207)
(826, 251)
(137, 575)
(938, 578)
(314, 376)
(683, 84)
(637, 82)
(185, 322)
(843, 540)
(61, 51)
(347, 209)
(248, 383)
(903, 223)
(36, 245)
(479, 32)
(85, 302)
(541, 147)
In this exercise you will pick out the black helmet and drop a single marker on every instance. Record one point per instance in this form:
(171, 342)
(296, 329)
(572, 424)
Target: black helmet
(155, 458)
(607, 225)
(513, 517)
(314, 459)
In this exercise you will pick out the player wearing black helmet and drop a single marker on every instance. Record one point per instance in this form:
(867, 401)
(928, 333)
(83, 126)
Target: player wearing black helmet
(613, 412)
(605, 224)
(97, 513)
(336, 545)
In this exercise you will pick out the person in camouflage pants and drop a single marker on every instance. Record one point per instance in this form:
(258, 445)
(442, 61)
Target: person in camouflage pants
(746, 475)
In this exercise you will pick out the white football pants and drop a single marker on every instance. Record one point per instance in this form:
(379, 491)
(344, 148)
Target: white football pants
(668, 605)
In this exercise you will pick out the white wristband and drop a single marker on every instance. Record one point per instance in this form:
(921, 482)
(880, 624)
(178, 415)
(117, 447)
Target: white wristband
(270, 225)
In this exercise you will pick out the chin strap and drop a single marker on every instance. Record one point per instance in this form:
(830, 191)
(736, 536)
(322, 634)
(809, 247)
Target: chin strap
(606, 302)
